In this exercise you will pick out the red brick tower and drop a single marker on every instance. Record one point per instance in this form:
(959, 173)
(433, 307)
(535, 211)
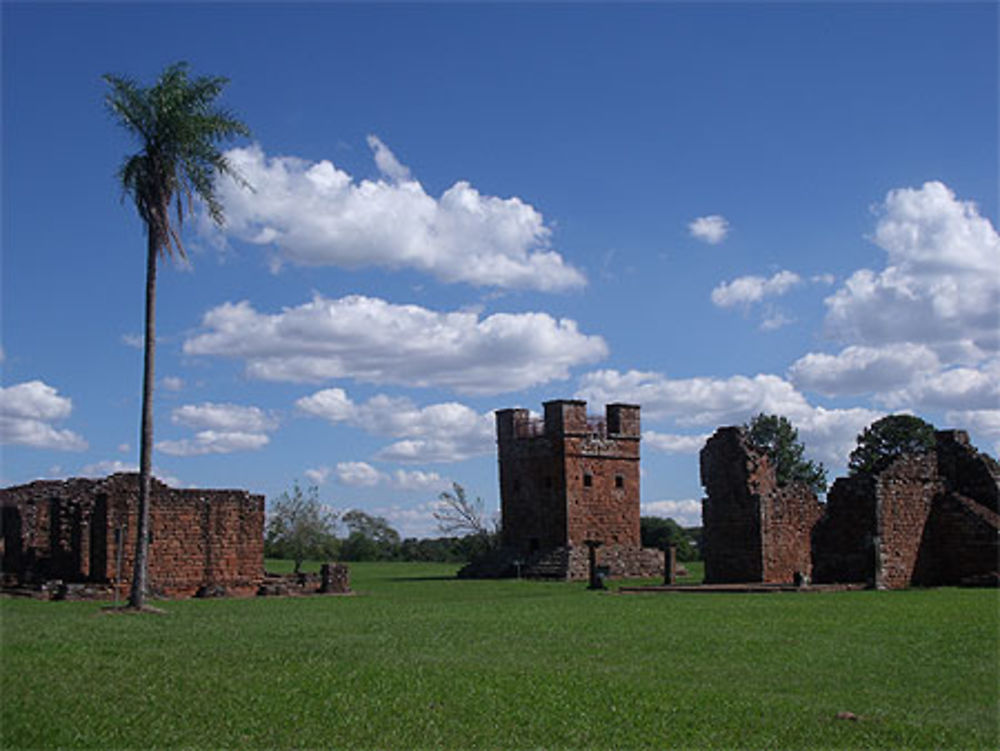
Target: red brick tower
(569, 478)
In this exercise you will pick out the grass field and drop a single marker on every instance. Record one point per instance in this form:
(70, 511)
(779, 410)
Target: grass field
(418, 659)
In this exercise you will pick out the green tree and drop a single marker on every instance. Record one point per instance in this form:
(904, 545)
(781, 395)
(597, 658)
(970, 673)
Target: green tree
(299, 527)
(369, 538)
(885, 439)
(778, 438)
(178, 127)
(660, 533)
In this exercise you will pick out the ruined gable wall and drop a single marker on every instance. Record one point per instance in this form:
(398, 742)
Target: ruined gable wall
(731, 534)
(754, 529)
(904, 492)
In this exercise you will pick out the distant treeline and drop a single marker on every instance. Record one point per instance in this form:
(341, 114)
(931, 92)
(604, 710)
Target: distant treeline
(356, 547)
(299, 527)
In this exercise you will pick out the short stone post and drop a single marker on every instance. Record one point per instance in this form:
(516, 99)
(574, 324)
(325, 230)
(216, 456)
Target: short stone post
(670, 565)
(595, 580)
(325, 579)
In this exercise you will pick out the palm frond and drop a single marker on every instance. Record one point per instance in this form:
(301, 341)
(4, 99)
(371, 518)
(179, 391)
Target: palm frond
(180, 128)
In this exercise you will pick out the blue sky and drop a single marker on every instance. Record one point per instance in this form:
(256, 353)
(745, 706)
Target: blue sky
(711, 210)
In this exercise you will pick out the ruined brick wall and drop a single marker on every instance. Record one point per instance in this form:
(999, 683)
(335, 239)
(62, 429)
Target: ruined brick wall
(904, 493)
(966, 471)
(960, 544)
(843, 540)
(926, 519)
(79, 529)
(788, 517)
(874, 524)
(753, 529)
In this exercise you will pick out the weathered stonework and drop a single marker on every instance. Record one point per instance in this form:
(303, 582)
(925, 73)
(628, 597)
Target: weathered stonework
(77, 530)
(925, 520)
(570, 478)
(754, 529)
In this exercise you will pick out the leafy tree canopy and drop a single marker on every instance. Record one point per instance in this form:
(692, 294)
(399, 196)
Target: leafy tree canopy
(885, 439)
(300, 527)
(178, 125)
(657, 532)
(779, 439)
(375, 528)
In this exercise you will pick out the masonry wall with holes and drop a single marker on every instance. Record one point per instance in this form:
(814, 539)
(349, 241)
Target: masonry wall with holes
(83, 530)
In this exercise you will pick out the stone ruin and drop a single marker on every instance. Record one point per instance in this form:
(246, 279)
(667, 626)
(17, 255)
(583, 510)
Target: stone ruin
(924, 520)
(567, 479)
(753, 529)
(82, 532)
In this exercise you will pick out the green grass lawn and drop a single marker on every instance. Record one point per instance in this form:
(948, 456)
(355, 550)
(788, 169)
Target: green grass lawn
(420, 660)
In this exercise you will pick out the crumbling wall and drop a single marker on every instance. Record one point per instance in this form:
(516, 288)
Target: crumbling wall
(959, 545)
(789, 515)
(904, 493)
(966, 471)
(83, 530)
(753, 529)
(843, 540)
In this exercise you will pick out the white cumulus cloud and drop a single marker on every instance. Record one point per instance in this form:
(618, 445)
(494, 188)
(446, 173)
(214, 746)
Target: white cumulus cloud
(363, 474)
(221, 429)
(923, 332)
(982, 422)
(214, 442)
(940, 285)
(673, 443)
(445, 432)
(862, 369)
(223, 417)
(318, 475)
(372, 340)
(704, 402)
(358, 474)
(27, 411)
(751, 289)
(957, 389)
(711, 229)
(314, 214)
(686, 512)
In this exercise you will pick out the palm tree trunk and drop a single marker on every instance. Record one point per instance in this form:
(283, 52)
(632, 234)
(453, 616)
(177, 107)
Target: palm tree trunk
(141, 564)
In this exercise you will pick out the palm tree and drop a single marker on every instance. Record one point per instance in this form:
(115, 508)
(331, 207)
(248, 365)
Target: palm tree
(178, 126)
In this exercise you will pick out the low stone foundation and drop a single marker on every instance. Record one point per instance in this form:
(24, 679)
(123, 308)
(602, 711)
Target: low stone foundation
(622, 562)
(333, 579)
